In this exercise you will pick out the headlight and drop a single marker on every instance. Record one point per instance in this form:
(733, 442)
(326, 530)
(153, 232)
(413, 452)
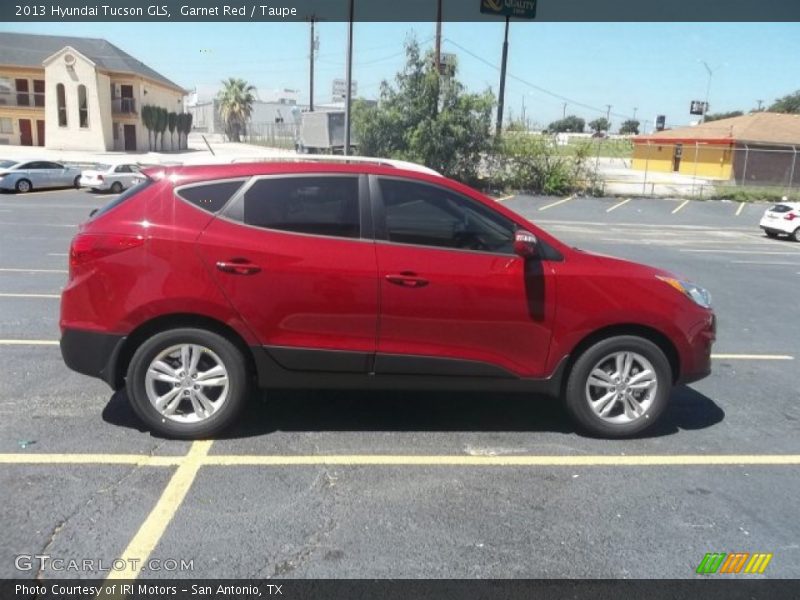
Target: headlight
(701, 296)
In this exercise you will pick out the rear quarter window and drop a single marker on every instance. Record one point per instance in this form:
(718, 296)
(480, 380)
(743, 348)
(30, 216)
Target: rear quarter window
(129, 193)
(211, 197)
(781, 208)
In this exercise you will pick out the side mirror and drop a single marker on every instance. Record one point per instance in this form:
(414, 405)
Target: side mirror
(525, 244)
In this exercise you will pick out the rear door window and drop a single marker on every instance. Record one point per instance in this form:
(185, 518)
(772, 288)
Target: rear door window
(316, 205)
(781, 208)
(212, 196)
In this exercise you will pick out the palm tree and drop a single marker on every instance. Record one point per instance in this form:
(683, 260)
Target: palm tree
(172, 123)
(236, 100)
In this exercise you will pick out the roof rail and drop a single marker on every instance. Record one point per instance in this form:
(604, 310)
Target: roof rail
(338, 158)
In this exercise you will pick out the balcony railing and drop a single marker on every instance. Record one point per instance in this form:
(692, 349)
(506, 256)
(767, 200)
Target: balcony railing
(125, 106)
(22, 99)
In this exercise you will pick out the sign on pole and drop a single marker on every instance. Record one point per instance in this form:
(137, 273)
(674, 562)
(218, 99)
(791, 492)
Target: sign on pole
(519, 9)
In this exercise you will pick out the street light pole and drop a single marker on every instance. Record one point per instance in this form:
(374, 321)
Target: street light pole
(502, 94)
(710, 72)
(311, 69)
(349, 82)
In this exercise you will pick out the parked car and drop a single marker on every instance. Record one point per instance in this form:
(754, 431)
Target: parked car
(36, 175)
(110, 178)
(782, 218)
(202, 280)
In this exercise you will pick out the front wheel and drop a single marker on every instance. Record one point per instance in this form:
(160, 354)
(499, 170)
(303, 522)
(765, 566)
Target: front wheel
(76, 183)
(619, 387)
(187, 383)
(23, 186)
(796, 235)
(771, 234)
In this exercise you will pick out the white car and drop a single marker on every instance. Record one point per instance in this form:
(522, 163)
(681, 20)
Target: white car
(114, 178)
(784, 218)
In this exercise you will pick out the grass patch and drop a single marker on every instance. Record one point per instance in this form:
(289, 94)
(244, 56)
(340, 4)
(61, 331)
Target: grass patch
(753, 194)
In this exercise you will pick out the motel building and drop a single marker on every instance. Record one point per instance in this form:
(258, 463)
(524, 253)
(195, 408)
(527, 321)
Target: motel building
(70, 93)
(757, 148)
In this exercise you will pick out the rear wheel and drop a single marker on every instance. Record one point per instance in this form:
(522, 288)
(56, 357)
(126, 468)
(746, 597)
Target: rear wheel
(23, 186)
(187, 383)
(76, 183)
(116, 187)
(619, 386)
(771, 234)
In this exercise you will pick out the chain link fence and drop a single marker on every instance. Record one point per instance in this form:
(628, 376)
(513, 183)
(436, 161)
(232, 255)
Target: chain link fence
(273, 135)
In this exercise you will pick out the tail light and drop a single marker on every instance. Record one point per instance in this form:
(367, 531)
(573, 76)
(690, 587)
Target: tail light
(791, 216)
(87, 247)
(100, 178)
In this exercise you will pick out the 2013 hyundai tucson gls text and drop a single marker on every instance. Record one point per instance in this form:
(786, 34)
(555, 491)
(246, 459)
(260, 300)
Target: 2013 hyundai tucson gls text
(201, 282)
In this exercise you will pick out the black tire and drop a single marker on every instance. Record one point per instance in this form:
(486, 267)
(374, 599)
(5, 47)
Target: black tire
(575, 392)
(76, 183)
(796, 235)
(771, 234)
(233, 361)
(23, 186)
(116, 187)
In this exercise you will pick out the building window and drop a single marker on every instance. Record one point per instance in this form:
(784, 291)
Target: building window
(83, 107)
(61, 99)
(6, 125)
(38, 92)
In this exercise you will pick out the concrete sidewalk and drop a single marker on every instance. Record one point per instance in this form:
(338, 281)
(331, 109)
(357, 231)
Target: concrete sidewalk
(198, 153)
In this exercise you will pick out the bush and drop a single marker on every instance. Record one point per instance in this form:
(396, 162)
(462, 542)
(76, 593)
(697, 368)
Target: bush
(531, 163)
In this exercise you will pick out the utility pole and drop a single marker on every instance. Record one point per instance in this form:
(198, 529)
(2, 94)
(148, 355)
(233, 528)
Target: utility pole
(501, 95)
(349, 78)
(760, 102)
(564, 111)
(710, 72)
(524, 120)
(635, 110)
(313, 48)
(608, 116)
(438, 51)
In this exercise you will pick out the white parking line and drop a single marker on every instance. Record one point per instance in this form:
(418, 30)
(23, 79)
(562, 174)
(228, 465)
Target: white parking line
(15, 224)
(740, 209)
(2, 295)
(504, 198)
(752, 357)
(680, 206)
(551, 205)
(618, 204)
(57, 254)
(712, 251)
(17, 270)
(28, 343)
(764, 262)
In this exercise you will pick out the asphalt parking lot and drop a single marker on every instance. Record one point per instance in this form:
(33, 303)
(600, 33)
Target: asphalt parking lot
(410, 485)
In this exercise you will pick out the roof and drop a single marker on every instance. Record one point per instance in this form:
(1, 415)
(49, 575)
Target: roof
(30, 50)
(756, 128)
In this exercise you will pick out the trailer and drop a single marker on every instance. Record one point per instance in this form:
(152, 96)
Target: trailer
(322, 133)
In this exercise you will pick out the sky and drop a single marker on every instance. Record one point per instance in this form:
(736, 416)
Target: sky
(655, 68)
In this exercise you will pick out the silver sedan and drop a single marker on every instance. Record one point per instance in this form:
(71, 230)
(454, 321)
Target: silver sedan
(36, 175)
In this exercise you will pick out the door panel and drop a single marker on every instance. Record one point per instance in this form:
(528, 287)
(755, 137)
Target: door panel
(298, 290)
(452, 288)
(494, 309)
(129, 131)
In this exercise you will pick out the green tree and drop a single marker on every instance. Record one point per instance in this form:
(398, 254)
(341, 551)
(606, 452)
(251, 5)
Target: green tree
(236, 100)
(570, 124)
(187, 128)
(724, 115)
(417, 119)
(148, 120)
(172, 123)
(788, 104)
(630, 127)
(600, 124)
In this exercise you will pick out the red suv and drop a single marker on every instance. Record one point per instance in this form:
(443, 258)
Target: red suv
(202, 281)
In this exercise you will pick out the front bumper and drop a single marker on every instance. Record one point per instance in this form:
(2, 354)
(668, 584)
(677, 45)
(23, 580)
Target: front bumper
(92, 353)
(697, 365)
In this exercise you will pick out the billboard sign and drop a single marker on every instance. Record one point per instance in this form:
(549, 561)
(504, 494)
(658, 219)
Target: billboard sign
(520, 9)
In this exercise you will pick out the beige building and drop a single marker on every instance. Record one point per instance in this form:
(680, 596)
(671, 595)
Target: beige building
(70, 93)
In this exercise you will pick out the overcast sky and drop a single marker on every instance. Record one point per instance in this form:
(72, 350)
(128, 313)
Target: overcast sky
(650, 66)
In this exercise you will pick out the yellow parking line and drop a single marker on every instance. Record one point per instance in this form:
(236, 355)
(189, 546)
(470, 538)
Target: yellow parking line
(752, 356)
(155, 524)
(740, 209)
(567, 199)
(680, 206)
(28, 342)
(504, 198)
(17, 270)
(145, 540)
(616, 206)
(504, 461)
(140, 460)
(3, 295)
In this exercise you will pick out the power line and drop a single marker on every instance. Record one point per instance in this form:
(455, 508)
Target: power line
(533, 85)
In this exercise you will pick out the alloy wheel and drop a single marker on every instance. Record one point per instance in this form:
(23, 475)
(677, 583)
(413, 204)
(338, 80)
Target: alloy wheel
(621, 387)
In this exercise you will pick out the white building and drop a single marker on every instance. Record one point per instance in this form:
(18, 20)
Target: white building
(75, 93)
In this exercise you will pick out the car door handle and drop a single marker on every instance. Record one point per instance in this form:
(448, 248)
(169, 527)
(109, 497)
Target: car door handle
(407, 279)
(238, 266)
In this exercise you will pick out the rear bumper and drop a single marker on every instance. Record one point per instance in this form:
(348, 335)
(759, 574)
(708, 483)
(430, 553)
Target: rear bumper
(92, 353)
(779, 225)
